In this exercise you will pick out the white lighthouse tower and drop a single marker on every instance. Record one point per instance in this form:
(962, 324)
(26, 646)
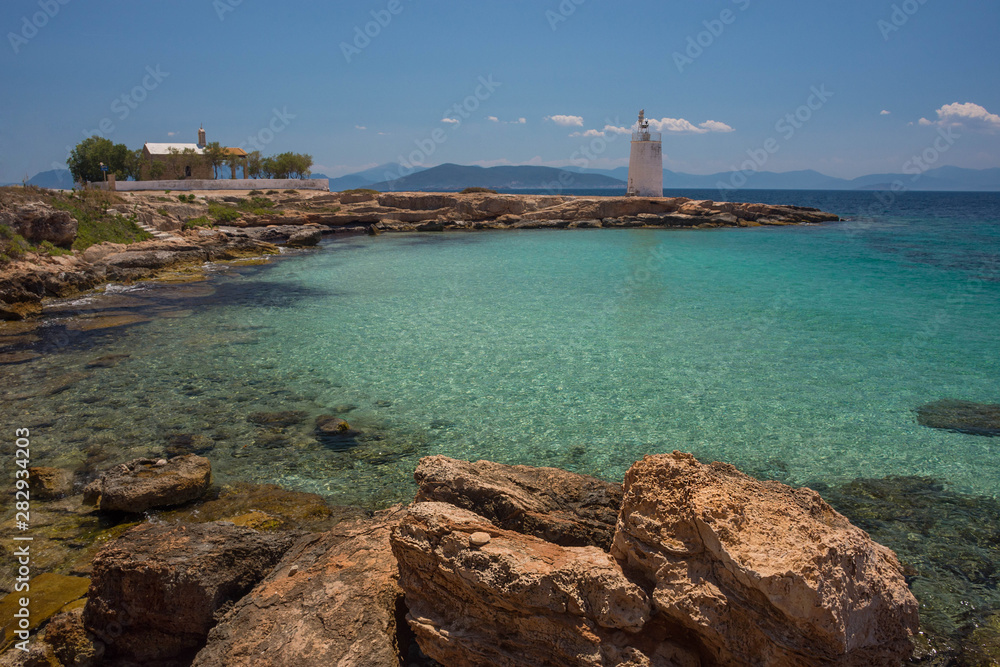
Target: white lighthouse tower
(645, 164)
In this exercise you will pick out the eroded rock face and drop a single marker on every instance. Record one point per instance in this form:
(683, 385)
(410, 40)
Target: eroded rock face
(39, 222)
(332, 600)
(156, 590)
(761, 573)
(558, 506)
(517, 600)
(143, 484)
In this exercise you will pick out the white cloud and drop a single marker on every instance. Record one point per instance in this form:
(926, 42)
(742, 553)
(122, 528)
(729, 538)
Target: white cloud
(383, 134)
(588, 133)
(452, 121)
(968, 115)
(611, 129)
(566, 121)
(522, 121)
(171, 134)
(682, 126)
(715, 126)
(885, 112)
(360, 127)
(493, 118)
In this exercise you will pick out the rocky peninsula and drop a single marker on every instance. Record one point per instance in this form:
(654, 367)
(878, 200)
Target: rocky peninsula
(190, 229)
(684, 563)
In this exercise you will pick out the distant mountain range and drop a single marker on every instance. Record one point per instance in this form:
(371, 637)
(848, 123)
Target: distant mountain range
(454, 177)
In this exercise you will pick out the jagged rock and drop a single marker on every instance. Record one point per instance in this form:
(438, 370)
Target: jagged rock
(332, 600)
(38, 222)
(559, 506)
(47, 594)
(49, 483)
(961, 416)
(305, 237)
(71, 642)
(761, 573)
(155, 591)
(141, 484)
(519, 601)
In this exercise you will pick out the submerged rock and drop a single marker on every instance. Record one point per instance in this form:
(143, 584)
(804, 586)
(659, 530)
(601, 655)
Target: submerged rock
(47, 593)
(141, 484)
(49, 483)
(155, 591)
(332, 600)
(559, 506)
(759, 572)
(961, 416)
(277, 419)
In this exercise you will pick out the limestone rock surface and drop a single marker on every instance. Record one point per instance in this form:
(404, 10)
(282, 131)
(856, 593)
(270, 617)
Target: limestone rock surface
(142, 484)
(558, 506)
(518, 600)
(760, 573)
(38, 222)
(332, 600)
(155, 592)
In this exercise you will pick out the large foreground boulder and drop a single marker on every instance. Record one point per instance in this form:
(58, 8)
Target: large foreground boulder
(481, 595)
(558, 506)
(155, 591)
(143, 484)
(760, 573)
(332, 600)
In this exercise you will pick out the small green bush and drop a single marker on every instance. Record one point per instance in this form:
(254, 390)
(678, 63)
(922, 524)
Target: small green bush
(474, 190)
(53, 250)
(223, 212)
(271, 192)
(291, 192)
(167, 192)
(360, 191)
(200, 221)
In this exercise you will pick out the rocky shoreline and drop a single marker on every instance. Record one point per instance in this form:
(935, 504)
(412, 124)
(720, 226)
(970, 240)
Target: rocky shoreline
(682, 564)
(301, 219)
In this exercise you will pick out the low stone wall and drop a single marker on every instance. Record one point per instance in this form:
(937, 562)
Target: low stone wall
(221, 184)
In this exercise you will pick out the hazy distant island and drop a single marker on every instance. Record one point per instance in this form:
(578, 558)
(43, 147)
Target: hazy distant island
(453, 177)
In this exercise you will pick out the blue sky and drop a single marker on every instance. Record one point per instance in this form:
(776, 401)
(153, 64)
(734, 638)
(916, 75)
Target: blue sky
(720, 77)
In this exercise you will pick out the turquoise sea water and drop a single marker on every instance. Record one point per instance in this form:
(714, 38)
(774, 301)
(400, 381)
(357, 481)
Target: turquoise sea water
(794, 353)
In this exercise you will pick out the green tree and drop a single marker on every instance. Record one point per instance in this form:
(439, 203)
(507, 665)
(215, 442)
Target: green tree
(234, 162)
(269, 167)
(216, 156)
(253, 164)
(134, 164)
(291, 165)
(85, 160)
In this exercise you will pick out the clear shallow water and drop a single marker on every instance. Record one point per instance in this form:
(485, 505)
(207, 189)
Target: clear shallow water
(795, 353)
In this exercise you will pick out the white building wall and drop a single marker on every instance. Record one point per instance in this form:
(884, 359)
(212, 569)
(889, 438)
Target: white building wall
(645, 169)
